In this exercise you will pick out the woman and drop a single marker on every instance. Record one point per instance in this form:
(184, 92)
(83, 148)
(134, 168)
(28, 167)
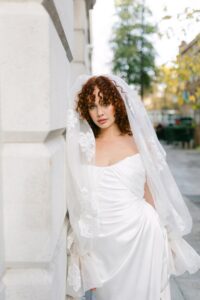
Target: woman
(126, 212)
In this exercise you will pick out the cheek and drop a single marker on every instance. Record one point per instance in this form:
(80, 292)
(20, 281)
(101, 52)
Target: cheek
(111, 111)
(92, 114)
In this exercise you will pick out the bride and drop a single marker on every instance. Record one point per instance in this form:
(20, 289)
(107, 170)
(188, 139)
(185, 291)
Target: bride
(126, 213)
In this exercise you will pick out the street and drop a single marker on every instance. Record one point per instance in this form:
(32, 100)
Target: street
(185, 166)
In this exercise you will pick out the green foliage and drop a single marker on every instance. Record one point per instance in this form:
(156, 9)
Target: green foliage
(188, 73)
(188, 18)
(133, 51)
(181, 82)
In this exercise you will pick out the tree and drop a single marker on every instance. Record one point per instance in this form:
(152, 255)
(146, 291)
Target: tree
(188, 73)
(186, 68)
(167, 77)
(188, 19)
(180, 82)
(133, 51)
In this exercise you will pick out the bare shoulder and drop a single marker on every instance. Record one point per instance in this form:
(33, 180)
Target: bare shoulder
(111, 151)
(129, 143)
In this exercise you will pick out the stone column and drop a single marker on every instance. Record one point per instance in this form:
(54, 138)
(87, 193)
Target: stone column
(35, 56)
(43, 48)
(82, 39)
(2, 250)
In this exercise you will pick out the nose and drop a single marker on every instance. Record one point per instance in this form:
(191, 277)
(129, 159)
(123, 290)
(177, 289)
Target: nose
(99, 111)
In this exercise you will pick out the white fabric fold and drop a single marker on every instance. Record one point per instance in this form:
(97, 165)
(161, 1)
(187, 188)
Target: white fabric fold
(82, 269)
(181, 256)
(83, 272)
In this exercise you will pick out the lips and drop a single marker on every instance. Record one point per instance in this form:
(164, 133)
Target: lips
(101, 121)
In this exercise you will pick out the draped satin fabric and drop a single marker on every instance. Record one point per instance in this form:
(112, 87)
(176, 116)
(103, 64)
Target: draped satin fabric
(131, 246)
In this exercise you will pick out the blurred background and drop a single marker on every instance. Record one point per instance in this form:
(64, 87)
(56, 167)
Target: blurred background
(154, 46)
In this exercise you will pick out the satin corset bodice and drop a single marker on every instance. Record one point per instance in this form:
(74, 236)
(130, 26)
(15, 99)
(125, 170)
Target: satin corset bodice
(120, 190)
(127, 174)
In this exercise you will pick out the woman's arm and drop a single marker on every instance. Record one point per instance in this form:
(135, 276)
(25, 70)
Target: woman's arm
(147, 195)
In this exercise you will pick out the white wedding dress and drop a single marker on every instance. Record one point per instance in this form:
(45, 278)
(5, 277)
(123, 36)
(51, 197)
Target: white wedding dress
(132, 246)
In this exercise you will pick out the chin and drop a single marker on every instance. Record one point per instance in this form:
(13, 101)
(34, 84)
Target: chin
(103, 125)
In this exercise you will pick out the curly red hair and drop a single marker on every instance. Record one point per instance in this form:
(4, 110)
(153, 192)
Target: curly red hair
(108, 94)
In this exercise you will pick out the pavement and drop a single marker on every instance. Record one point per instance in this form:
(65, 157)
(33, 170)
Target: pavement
(185, 166)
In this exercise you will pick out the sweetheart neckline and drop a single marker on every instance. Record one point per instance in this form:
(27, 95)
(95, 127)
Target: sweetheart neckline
(118, 162)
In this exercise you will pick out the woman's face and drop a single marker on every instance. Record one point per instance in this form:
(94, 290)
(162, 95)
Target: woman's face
(101, 114)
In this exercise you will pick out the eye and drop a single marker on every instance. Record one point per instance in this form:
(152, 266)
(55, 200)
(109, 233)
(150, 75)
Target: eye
(91, 106)
(105, 104)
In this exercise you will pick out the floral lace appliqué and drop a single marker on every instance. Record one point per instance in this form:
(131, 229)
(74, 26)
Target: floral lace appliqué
(74, 277)
(88, 225)
(87, 143)
(85, 226)
(71, 119)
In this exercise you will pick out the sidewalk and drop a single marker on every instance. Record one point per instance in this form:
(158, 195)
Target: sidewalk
(185, 166)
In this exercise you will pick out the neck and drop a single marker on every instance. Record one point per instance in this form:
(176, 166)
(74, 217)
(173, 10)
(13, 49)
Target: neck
(110, 132)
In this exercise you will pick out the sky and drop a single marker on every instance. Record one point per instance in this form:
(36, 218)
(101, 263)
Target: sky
(167, 49)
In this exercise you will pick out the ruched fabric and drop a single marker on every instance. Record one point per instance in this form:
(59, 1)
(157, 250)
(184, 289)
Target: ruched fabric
(132, 245)
(133, 254)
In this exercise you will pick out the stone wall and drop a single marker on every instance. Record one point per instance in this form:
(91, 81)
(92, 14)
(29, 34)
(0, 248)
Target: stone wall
(42, 50)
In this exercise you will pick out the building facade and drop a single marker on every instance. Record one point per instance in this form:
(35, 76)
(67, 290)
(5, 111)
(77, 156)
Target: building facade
(44, 46)
(189, 61)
